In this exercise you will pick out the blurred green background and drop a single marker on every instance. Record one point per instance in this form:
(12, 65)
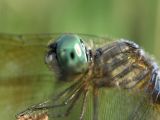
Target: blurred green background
(137, 20)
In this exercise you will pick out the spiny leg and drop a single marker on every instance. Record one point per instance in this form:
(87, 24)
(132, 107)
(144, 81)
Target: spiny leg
(84, 104)
(66, 101)
(44, 105)
(70, 107)
(67, 90)
(95, 103)
(71, 96)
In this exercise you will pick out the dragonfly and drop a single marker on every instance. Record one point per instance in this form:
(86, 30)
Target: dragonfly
(96, 78)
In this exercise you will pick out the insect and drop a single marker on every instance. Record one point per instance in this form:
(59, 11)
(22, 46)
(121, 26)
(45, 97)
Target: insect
(87, 67)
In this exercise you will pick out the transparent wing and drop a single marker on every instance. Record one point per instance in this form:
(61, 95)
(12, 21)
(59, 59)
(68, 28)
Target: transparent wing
(24, 77)
(115, 104)
(66, 104)
(95, 42)
(27, 52)
(23, 69)
(23, 54)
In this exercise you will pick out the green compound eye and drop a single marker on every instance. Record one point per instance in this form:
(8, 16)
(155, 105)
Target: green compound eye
(71, 53)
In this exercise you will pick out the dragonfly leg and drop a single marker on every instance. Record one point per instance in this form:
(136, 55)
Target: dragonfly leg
(95, 103)
(70, 97)
(31, 109)
(46, 105)
(70, 107)
(67, 90)
(84, 105)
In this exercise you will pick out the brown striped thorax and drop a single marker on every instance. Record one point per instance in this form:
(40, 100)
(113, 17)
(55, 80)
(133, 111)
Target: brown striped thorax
(124, 64)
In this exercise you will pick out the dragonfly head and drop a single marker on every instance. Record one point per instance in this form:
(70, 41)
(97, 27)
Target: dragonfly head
(70, 54)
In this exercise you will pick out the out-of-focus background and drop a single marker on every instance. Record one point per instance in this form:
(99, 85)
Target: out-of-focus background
(137, 20)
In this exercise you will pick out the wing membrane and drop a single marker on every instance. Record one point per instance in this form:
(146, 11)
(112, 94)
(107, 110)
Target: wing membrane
(23, 55)
(60, 106)
(121, 105)
(22, 59)
(23, 74)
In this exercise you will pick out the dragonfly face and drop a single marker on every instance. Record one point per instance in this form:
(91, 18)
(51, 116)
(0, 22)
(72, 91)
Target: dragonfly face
(68, 55)
(115, 80)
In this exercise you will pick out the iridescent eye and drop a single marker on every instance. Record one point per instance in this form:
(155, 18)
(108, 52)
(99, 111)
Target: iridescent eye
(71, 56)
